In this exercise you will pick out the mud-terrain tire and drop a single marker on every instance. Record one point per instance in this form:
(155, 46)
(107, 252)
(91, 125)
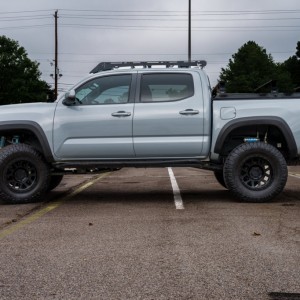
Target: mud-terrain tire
(24, 175)
(255, 172)
(220, 178)
(55, 180)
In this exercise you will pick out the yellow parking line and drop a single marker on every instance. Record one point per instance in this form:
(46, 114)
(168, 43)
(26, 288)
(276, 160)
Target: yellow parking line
(51, 206)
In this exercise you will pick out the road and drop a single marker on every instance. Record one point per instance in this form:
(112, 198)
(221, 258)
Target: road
(123, 235)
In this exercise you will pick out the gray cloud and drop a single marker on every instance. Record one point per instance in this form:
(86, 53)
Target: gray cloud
(117, 30)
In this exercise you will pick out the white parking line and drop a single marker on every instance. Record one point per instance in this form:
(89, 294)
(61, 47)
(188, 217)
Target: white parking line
(177, 196)
(295, 175)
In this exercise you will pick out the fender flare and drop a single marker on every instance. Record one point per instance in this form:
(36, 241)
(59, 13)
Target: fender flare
(263, 120)
(33, 127)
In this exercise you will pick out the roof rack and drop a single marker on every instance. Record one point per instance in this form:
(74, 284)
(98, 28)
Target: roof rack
(106, 66)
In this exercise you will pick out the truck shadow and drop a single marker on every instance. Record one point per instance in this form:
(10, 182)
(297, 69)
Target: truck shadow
(108, 195)
(158, 197)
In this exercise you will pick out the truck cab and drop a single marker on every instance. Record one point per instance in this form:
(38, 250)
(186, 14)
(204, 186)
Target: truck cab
(135, 115)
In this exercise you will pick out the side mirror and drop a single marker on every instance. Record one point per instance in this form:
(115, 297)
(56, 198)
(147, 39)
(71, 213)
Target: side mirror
(70, 98)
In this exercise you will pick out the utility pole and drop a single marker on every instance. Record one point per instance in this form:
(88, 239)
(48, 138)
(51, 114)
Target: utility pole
(190, 32)
(56, 71)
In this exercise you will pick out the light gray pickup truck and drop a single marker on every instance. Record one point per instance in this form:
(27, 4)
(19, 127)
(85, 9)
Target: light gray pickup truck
(152, 116)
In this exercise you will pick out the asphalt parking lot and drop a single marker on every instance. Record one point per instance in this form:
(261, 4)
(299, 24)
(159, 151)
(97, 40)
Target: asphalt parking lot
(146, 234)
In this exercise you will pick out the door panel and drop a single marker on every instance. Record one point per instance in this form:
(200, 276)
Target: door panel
(99, 126)
(168, 126)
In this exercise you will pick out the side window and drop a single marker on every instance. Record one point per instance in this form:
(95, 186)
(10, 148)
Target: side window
(104, 90)
(166, 87)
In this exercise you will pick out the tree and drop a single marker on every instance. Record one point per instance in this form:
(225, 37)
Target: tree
(250, 68)
(292, 65)
(19, 76)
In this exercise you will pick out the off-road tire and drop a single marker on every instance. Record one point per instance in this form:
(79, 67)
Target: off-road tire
(220, 178)
(255, 172)
(24, 175)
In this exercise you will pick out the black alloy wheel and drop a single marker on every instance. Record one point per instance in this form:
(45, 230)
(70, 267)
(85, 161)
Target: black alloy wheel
(255, 172)
(20, 176)
(24, 174)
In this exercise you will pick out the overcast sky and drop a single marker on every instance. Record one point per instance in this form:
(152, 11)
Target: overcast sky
(91, 31)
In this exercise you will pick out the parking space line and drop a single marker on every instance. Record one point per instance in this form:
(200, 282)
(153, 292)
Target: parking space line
(51, 206)
(294, 175)
(176, 191)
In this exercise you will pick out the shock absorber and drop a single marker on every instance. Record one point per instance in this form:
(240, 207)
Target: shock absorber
(252, 139)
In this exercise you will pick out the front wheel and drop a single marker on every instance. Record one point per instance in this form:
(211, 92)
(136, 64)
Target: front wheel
(255, 172)
(24, 175)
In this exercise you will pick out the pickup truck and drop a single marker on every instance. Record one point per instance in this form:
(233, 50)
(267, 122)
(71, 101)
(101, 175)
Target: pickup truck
(159, 115)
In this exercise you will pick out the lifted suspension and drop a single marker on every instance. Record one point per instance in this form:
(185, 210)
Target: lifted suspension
(4, 141)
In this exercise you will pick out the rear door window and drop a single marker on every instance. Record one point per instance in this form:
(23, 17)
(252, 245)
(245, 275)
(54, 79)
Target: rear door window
(166, 87)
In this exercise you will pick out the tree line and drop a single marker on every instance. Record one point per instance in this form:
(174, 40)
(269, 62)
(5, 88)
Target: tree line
(252, 67)
(248, 69)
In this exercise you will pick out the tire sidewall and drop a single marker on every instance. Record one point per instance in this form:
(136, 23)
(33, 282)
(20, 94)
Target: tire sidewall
(21, 152)
(235, 162)
(220, 178)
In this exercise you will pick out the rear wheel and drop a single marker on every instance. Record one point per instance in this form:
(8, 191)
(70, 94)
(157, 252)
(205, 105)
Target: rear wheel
(24, 175)
(255, 172)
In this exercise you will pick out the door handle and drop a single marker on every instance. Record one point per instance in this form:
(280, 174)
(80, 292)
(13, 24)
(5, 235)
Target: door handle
(189, 112)
(121, 114)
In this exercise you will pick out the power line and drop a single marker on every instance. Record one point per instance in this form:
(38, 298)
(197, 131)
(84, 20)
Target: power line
(161, 20)
(181, 27)
(137, 18)
(186, 11)
(172, 20)
(165, 28)
(165, 12)
(25, 16)
(28, 26)
(25, 11)
(113, 54)
(93, 61)
(26, 19)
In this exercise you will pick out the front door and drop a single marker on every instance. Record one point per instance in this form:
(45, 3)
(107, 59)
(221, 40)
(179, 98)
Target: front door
(99, 125)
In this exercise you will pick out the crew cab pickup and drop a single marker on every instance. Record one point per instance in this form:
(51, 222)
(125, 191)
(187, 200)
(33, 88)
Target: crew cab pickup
(151, 116)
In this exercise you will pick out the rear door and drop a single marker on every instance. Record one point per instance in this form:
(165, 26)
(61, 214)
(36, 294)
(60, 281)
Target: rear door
(168, 116)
